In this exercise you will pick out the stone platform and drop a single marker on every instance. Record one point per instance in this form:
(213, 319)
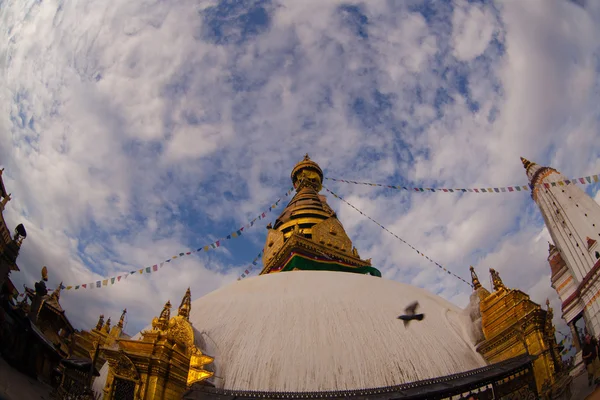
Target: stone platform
(17, 386)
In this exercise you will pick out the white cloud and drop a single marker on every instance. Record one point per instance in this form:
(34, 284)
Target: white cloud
(131, 135)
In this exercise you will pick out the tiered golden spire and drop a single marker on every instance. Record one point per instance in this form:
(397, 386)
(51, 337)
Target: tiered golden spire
(474, 278)
(100, 323)
(162, 322)
(496, 280)
(106, 327)
(309, 226)
(186, 305)
(122, 319)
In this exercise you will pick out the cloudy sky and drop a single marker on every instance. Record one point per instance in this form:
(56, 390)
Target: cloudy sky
(131, 131)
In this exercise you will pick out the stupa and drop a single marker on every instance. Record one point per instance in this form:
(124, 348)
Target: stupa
(321, 322)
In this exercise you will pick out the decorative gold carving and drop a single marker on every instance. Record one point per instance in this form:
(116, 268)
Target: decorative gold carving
(332, 233)
(276, 238)
(121, 365)
(196, 371)
(180, 331)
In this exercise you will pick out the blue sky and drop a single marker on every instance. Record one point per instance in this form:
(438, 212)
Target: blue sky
(136, 130)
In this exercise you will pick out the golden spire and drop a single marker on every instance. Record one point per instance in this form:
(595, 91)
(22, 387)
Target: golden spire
(162, 322)
(44, 273)
(122, 319)
(474, 278)
(100, 322)
(186, 305)
(106, 327)
(56, 292)
(309, 228)
(496, 280)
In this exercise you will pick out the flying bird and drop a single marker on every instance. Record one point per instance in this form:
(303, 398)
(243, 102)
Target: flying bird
(410, 314)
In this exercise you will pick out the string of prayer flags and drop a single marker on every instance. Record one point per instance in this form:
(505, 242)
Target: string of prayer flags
(251, 267)
(154, 268)
(506, 189)
(399, 238)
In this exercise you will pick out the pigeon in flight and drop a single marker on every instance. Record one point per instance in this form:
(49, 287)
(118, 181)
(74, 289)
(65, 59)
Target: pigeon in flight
(410, 314)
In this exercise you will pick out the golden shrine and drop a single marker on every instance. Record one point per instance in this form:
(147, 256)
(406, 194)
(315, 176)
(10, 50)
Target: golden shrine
(161, 364)
(85, 343)
(512, 325)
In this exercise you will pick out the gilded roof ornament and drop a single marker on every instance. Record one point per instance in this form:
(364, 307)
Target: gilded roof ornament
(186, 305)
(162, 322)
(106, 327)
(122, 319)
(45, 273)
(496, 280)
(55, 295)
(474, 278)
(100, 322)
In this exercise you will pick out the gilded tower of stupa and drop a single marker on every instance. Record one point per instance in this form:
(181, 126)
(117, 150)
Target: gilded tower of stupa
(308, 235)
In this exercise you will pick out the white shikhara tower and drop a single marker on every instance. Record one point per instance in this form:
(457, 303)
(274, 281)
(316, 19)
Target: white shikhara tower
(573, 220)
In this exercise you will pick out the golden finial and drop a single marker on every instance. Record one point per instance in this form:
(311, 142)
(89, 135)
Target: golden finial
(474, 278)
(44, 273)
(306, 157)
(106, 327)
(186, 305)
(100, 322)
(161, 323)
(526, 162)
(122, 319)
(496, 280)
(56, 292)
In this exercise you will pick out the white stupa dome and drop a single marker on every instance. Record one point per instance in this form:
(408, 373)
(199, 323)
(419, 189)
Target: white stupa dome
(319, 331)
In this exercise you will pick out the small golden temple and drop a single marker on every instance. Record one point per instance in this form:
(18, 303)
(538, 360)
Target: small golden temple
(512, 325)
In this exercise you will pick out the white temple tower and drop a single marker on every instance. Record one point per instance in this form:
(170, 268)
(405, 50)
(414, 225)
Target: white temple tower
(573, 220)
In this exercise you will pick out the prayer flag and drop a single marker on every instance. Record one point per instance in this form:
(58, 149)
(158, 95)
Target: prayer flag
(98, 284)
(155, 268)
(105, 282)
(112, 280)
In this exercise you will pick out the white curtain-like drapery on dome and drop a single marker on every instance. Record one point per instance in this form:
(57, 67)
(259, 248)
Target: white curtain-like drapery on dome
(321, 331)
